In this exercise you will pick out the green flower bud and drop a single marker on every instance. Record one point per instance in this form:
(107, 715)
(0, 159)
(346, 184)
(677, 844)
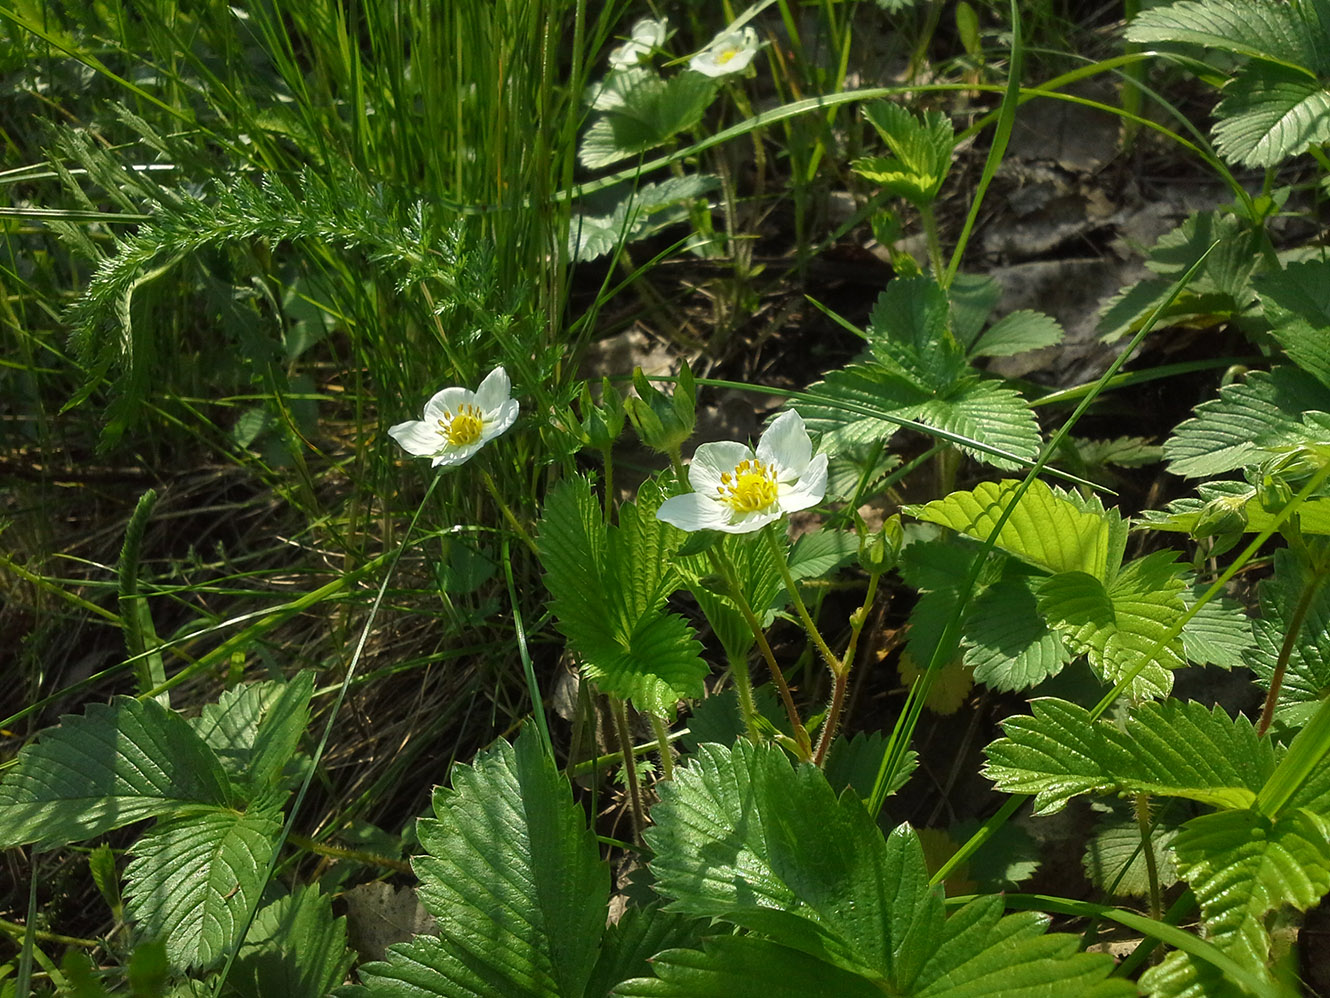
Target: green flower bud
(881, 549)
(602, 424)
(663, 422)
(1225, 515)
(1274, 493)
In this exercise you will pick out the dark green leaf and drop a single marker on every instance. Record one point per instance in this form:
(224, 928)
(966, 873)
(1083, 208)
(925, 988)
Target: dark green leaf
(294, 949)
(255, 728)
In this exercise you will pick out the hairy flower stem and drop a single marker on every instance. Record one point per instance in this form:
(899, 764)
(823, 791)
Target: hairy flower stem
(508, 515)
(663, 740)
(635, 805)
(842, 678)
(340, 852)
(722, 564)
(1141, 805)
(791, 588)
(1286, 649)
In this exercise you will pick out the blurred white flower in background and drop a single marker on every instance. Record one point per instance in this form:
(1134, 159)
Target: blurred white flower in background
(645, 36)
(729, 52)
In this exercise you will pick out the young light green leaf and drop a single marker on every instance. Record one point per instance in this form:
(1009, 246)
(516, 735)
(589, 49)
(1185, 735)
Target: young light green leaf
(1046, 529)
(515, 881)
(922, 151)
(294, 949)
(822, 551)
(255, 728)
(1115, 625)
(1016, 333)
(1241, 865)
(194, 879)
(112, 766)
(1171, 749)
(1247, 422)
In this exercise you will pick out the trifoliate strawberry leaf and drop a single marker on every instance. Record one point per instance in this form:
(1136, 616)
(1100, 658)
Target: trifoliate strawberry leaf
(294, 949)
(109, 767)
(1171, 749)
(1046, 529)
(609, 585)
(1007, 641)
(1016, 333)
(1271, 113)
(1247, 422)
(514, 880)
(1307, 676)
(194, 879)
(921, 150)
(744, 837)
(255, 728)
(1118, 624)
(647, 113)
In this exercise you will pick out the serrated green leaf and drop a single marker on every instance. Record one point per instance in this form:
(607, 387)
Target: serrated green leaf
(759, 582)
(1115, 625)
(515, 881)
(1046, 529)
(1184, 515)
(1182, 975)
(1115, 861)
(608, 586)
(972, 298)
(1170, 749)
(908, 333)
(1247, 422)
(1307, 675)
(194, 879)
(1124, 452)
(112, 766)
(641, 213)
(742, 836)
(1241, 865)
(1269, 114)
(255, 728)
(294, 949)
(854, 762)
(1296, 302)
(922, 150)
(632, 941)
(1008, 643)
(1016, 333)
(822, 551)
(649, 112)
(1261, 29)
(1219, 634)
(990, 413)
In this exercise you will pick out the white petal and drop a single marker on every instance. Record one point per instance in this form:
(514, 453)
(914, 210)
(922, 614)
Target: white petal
(454, 456)
(785, 444)
(808, 491)
(712, 460)
(499, 420)
(495, 390)
(692, 511)
(416, 437)
(447, 401)
(748, 522)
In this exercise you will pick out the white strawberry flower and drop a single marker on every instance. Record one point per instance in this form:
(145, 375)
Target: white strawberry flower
(458, 422)
(729, 52)
(737, 490)
(646, 35)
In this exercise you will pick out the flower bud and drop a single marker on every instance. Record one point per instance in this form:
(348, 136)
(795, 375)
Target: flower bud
(663, 422)
(880, 550)
(602, 424)
(1224, 515)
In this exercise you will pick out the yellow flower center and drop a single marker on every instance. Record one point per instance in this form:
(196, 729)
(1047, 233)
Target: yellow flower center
(750, 488)
(463, 427)
(726, 54)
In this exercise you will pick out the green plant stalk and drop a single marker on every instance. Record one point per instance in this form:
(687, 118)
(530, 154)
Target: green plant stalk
(1001, 136)
(352, 855)
(392, 558)
(721, 562)
(508, 515)
(140, 636)
(17, 932)
(1305, 755)
(792, 589)
(1291, 633)
(743, 685)
(528, 667)
(46, 585)
(935, 264)
(601, 762)
(636, 805)
(1141, 806)
(663, 743)
(841, 681)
